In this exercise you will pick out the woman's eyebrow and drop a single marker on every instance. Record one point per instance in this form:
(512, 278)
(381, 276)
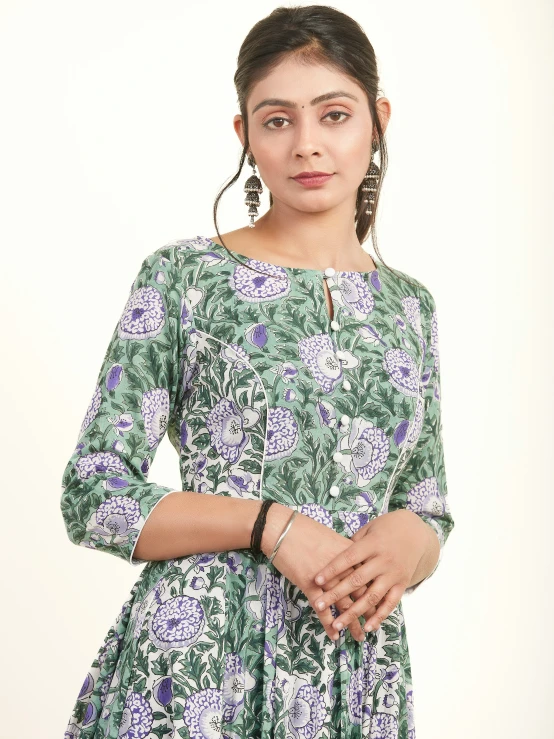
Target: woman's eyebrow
(290, 104)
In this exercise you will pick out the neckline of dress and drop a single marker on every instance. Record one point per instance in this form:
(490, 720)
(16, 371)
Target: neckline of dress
(294, 270)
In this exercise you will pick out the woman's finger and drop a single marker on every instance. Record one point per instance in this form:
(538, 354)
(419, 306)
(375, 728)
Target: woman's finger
(355, 626)
(374, 594)
(385, 608)
(344, 561)
(356, 579)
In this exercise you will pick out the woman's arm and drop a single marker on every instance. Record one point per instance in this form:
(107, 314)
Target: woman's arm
(422, 485)
(187, 523)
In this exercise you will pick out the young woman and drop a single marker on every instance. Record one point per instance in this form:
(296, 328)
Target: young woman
(298, 380)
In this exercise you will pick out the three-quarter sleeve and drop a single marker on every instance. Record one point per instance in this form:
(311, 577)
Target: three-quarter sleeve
(421, 486)
(106, 498)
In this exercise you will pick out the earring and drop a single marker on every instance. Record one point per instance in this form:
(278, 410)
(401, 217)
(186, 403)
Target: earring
(252, 188)
(372, 174)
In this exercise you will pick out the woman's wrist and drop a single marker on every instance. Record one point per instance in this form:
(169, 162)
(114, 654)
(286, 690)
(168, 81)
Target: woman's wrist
(277, 518)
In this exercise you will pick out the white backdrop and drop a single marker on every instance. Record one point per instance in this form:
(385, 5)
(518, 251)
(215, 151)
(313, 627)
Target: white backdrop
(116, 135)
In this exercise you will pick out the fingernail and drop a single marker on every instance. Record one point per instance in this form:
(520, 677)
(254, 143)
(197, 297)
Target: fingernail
(338, 626)
(319, 579)
(320, 604)
(367, 627)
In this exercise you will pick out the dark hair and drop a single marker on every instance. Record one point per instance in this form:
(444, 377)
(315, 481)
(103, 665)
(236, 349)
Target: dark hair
(312, 34)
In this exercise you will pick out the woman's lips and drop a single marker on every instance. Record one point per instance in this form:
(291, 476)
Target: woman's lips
(313, 181)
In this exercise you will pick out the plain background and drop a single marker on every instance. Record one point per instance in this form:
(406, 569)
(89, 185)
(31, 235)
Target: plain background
(116, 135)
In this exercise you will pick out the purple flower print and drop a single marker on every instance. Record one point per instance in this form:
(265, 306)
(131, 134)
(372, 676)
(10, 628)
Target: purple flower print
(268, 607)
(390, 676)
(115, 516)
(241, 482)
(92, 410)
(202, 713)
(412, 310)
(307, 711)
(155, 412)
(137, 718)
(87, 687)
(425, 498)
(327, 413)
(253, 287)
(354, 697)
(256, 335)
(122, 423)
(91, 714)
(144, 314)
(354, 294)
(234, 353)
(435, 340)
(233, 687)
(318, 513)
(287, 371)
(234, 561)
(375, 280)
(353, 521)
(163, 691)
(369, 663)
(179, 622)
(402, 371)
(198, 583)
(383, 726)
(406, 434)
(282, 433)
(226, 424)
(145, 465)
(99, 462)
(270, 698)
(318, 354)
(365, 451)
(400, 432)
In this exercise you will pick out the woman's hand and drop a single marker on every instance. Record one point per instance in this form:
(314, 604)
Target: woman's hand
(384, 555)
(307, 547)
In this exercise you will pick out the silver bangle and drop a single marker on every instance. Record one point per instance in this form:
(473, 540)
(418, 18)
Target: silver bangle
(280, 539)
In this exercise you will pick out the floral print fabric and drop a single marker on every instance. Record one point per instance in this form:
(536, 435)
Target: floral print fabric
(263, 395)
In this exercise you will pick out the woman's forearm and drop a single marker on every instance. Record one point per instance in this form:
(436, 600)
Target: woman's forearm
(186, 522)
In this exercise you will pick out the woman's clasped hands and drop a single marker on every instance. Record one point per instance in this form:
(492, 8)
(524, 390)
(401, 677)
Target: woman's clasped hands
(369, 570)
(377, 568)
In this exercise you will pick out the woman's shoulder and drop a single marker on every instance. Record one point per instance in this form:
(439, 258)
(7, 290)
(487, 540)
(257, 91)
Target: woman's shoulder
(410, 286)
(182, 252)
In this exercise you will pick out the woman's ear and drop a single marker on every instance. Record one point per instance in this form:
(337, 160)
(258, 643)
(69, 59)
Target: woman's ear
(239, 129)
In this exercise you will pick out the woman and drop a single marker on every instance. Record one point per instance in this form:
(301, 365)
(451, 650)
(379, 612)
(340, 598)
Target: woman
(298, 381)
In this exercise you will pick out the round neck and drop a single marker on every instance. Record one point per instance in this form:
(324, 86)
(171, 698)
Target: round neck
(294, 270)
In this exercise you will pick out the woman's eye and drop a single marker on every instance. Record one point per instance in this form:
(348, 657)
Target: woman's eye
(338, 112)
(333, 112)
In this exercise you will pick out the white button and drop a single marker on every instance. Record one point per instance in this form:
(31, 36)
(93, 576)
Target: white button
(337, 457)
(335, 325)
(340, 354)
(329, 272)
(334, 491)
(345, 420)
(346, 385)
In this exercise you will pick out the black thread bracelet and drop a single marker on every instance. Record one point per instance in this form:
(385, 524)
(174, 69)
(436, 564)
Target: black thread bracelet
(258, 528)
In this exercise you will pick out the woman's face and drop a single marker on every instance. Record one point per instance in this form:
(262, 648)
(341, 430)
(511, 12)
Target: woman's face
(288, 134)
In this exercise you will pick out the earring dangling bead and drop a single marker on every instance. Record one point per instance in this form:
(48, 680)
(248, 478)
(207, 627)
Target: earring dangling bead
(252, 188)
(372, 174)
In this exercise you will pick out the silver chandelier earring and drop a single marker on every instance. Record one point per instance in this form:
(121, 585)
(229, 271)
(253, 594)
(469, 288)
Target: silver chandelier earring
(253, 188)
(372, 174)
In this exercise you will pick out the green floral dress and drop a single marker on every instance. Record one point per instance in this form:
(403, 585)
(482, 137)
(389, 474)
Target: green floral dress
(263, 396)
